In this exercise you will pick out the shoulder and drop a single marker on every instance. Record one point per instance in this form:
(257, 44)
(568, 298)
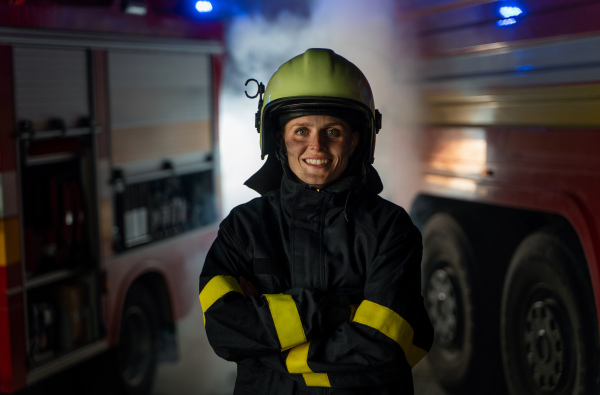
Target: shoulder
(383, 216)
(251, 212)
(373, 205)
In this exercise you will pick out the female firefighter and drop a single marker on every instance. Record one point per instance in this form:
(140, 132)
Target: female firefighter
(314, 287)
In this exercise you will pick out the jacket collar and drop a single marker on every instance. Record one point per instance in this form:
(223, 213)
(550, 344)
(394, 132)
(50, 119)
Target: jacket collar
(269, 177)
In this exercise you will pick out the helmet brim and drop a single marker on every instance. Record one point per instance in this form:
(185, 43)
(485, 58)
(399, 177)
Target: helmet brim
(278, 113)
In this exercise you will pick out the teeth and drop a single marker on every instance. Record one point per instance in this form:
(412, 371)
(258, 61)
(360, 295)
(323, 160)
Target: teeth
(317, 161)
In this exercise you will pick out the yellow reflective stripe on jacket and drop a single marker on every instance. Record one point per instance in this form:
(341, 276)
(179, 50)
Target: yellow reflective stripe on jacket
(297, 362)
(392, 325)
(287, 320)
(316, 379)
(217, 287)
(297, 359)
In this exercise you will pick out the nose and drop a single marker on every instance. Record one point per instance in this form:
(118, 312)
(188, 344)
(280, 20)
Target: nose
(317, 142)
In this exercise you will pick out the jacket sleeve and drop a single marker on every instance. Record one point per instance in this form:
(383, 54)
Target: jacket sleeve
(308, 333)
(240, 327)
(390, 331)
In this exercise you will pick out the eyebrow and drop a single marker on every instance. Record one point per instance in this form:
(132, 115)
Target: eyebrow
(307, 124)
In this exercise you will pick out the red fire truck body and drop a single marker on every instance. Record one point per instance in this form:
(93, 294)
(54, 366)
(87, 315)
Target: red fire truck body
(509, 199)
(109, 193)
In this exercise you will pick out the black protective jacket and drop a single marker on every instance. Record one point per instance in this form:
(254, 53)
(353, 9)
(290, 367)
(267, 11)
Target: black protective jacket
(311, 254)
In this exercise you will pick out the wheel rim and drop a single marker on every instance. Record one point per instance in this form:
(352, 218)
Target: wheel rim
(135, 345)
(544, 346)
(443, 307)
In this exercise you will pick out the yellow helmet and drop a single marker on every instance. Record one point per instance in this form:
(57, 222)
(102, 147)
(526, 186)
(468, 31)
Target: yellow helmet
(317, 81)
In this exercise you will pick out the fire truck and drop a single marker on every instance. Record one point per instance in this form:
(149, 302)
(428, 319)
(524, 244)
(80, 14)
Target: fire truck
(109, 190)
(510, 189)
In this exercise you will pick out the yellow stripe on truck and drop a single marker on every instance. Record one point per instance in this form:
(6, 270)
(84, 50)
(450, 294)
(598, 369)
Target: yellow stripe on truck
(574, 105)
(215, 289)
(392, 325)
(287, 320)
(10, 246)
(297, 362)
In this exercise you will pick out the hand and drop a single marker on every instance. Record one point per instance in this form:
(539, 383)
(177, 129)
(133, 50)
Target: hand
(248, 288)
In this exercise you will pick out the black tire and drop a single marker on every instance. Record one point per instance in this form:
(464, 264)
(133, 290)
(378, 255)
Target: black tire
(137, 352)
(549, 327)
(463, 357)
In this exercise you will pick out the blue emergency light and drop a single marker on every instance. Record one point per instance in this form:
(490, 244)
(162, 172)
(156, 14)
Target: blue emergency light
(204, 6)
(510, 12)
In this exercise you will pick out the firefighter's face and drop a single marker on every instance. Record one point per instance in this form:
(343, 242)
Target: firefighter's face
(318, 148)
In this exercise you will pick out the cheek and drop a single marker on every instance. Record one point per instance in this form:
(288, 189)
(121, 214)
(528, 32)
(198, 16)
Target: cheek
(292, 147)
(345, 152)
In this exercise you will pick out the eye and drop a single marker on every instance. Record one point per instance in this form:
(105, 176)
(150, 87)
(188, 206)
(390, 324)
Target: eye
(301, 132)
(333, 132)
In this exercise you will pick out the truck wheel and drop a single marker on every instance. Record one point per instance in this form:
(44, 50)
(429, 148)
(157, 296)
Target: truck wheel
(549, 329)
(460, 357)
(138, 342)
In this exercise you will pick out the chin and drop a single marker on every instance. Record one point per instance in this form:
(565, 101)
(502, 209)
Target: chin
(318, 183)
(318, 180)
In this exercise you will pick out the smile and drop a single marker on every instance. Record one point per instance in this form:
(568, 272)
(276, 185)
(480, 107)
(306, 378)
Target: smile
(317, 161)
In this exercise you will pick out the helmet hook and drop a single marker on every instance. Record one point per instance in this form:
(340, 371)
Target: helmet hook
(260, 91)
(260, 86)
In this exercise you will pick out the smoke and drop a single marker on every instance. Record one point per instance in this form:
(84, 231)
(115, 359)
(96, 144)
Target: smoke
(370, 34)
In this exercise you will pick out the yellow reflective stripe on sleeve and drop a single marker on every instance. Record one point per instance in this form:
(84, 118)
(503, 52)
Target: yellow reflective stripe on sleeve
(316, 379)
(217, 287)
(297, 362)
(392, 325)
(287, 320)
(297, 359)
